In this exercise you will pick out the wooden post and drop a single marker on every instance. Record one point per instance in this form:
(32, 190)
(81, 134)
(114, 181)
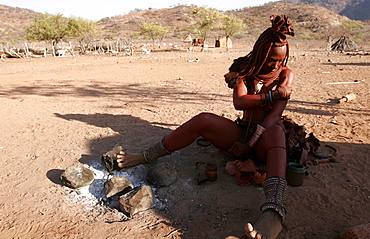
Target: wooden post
(53, 48)
(71, 48)
(26, 51)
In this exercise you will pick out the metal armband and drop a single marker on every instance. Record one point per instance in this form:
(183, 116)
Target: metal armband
(256, 136)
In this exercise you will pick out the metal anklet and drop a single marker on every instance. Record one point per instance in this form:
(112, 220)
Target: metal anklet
(274, 188)
(153, 153)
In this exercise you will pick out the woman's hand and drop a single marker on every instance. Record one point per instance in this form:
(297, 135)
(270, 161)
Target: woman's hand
(232, 79)
(282, 93)
(238, 149)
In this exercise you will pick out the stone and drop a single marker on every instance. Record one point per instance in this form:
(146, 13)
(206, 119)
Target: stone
(358, 232)
(162, 175)
(109, 159)
(77, 176)
(138, 173)
(139, 199)
(117, 185)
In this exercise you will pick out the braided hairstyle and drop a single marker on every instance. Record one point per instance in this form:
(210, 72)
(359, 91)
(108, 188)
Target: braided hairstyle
(250, 65)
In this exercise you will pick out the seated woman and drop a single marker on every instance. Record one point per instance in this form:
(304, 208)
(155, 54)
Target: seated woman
(262, 85)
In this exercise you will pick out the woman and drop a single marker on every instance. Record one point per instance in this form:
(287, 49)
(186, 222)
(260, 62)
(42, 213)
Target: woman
(261, 85)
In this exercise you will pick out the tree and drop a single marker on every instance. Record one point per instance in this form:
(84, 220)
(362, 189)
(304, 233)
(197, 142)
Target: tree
(206, 20)
(154, 30)
(232, 25)
(83, 30)
(55, 28)
(47, 27)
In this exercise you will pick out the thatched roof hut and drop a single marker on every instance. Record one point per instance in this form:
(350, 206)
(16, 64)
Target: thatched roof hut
(344, 44)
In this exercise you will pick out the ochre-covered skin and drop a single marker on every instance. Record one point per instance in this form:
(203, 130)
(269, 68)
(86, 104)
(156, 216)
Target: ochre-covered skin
(262, 84)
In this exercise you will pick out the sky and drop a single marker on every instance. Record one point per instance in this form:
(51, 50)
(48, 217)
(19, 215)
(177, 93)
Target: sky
(97, 9)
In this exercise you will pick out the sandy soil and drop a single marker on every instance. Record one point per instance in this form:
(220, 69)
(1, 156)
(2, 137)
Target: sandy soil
(59, 111)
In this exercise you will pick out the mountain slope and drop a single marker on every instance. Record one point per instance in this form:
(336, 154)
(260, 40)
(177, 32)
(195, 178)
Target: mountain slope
(13, 20)
(175, 18)
(314, 20)
(360, 11)
(311, 21)
(353, 9)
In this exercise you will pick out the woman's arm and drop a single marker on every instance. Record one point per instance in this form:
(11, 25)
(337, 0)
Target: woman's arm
(243, 101)
(287, 78)
(275, 114)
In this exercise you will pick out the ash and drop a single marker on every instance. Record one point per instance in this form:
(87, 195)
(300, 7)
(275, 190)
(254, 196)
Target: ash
(93, 194)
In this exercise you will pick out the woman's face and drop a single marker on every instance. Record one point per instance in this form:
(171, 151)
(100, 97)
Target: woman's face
(274, 59)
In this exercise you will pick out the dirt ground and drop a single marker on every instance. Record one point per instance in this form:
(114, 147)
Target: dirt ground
(59, 111)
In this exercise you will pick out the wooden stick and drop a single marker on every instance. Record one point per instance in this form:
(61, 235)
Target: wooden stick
(337, 83)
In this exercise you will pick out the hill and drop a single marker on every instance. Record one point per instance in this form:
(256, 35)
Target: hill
(307, 18)
(13, 20)
(310, 21)
(359, 11)
(176, 18)
(353, 9)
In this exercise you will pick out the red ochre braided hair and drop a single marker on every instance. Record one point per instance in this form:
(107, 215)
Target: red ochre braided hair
(250, 65)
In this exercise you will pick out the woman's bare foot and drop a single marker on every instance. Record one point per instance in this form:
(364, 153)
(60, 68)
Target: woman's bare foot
(268, 226)
(127, 160)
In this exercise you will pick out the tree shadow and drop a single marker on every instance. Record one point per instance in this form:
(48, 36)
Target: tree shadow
(132, 93)
(347, 64)
(121, 124)
(316, 108)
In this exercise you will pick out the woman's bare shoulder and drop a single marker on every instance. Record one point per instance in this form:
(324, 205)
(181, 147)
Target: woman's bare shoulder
(286, 71)
(287, 75)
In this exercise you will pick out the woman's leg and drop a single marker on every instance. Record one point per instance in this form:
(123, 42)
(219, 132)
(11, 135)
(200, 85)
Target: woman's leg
(221, 132)
(271, 149)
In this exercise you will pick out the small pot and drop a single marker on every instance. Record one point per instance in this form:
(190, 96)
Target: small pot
(295, 174)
